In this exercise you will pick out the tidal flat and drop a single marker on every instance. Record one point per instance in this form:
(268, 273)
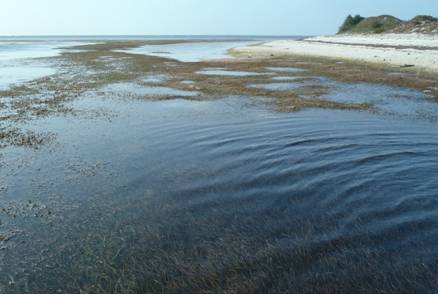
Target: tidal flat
(123, 172)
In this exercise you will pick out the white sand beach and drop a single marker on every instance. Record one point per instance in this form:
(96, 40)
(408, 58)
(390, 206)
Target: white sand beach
(404, 40)
(413, 50)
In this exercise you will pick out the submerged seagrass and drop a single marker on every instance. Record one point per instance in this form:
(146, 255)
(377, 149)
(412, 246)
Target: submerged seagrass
(296, 174)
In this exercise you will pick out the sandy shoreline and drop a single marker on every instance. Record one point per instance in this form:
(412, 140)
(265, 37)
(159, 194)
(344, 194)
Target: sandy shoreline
(413, 50)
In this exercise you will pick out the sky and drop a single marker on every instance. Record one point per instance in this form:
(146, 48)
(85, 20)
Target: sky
(194, 17)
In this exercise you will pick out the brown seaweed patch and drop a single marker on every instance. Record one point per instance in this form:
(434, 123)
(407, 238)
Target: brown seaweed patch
(28, 138)
(28, 208)
(120, 45)
(79, 168)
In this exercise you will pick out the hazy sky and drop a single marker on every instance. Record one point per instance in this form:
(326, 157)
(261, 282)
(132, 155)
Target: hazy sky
(194, 17)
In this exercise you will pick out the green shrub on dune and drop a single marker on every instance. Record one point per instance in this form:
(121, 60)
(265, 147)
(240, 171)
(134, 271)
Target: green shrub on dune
(388, 24)
(376, 24)
(350, 22)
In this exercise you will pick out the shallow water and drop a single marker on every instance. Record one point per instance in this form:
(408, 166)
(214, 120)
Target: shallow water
(10, 75)
(187, 82)
(180, 190)
(156, 78)
(286, 69)
(288, 78)
(389, 100)
(127, 89)
(295, 181)
(25, 50)
(15, 50)
(191, 52)
(224, 72)
(19, 60)
(286, 86)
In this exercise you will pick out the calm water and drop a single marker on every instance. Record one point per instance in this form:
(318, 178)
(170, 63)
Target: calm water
(20, 60)
(191, 52)
(325, 198)
(20, 57)
(224, 72)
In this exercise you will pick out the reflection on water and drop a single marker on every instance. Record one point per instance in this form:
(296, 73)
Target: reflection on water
(10, 75)
(18, 60)
(191, 52)
(156, 78)
(287, 78)
(286, 69)
(224, 72)
(187, 82)
(387, 99)
(30, 50)
(126, 89)
(282, 86)
(24, 50)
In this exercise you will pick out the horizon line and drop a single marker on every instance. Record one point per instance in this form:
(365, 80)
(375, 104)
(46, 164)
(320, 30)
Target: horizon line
(154, 35)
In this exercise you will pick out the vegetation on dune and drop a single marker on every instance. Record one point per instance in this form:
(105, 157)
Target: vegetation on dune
(419, 24)
(389, 24)
(350, 22)
(376, 24)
